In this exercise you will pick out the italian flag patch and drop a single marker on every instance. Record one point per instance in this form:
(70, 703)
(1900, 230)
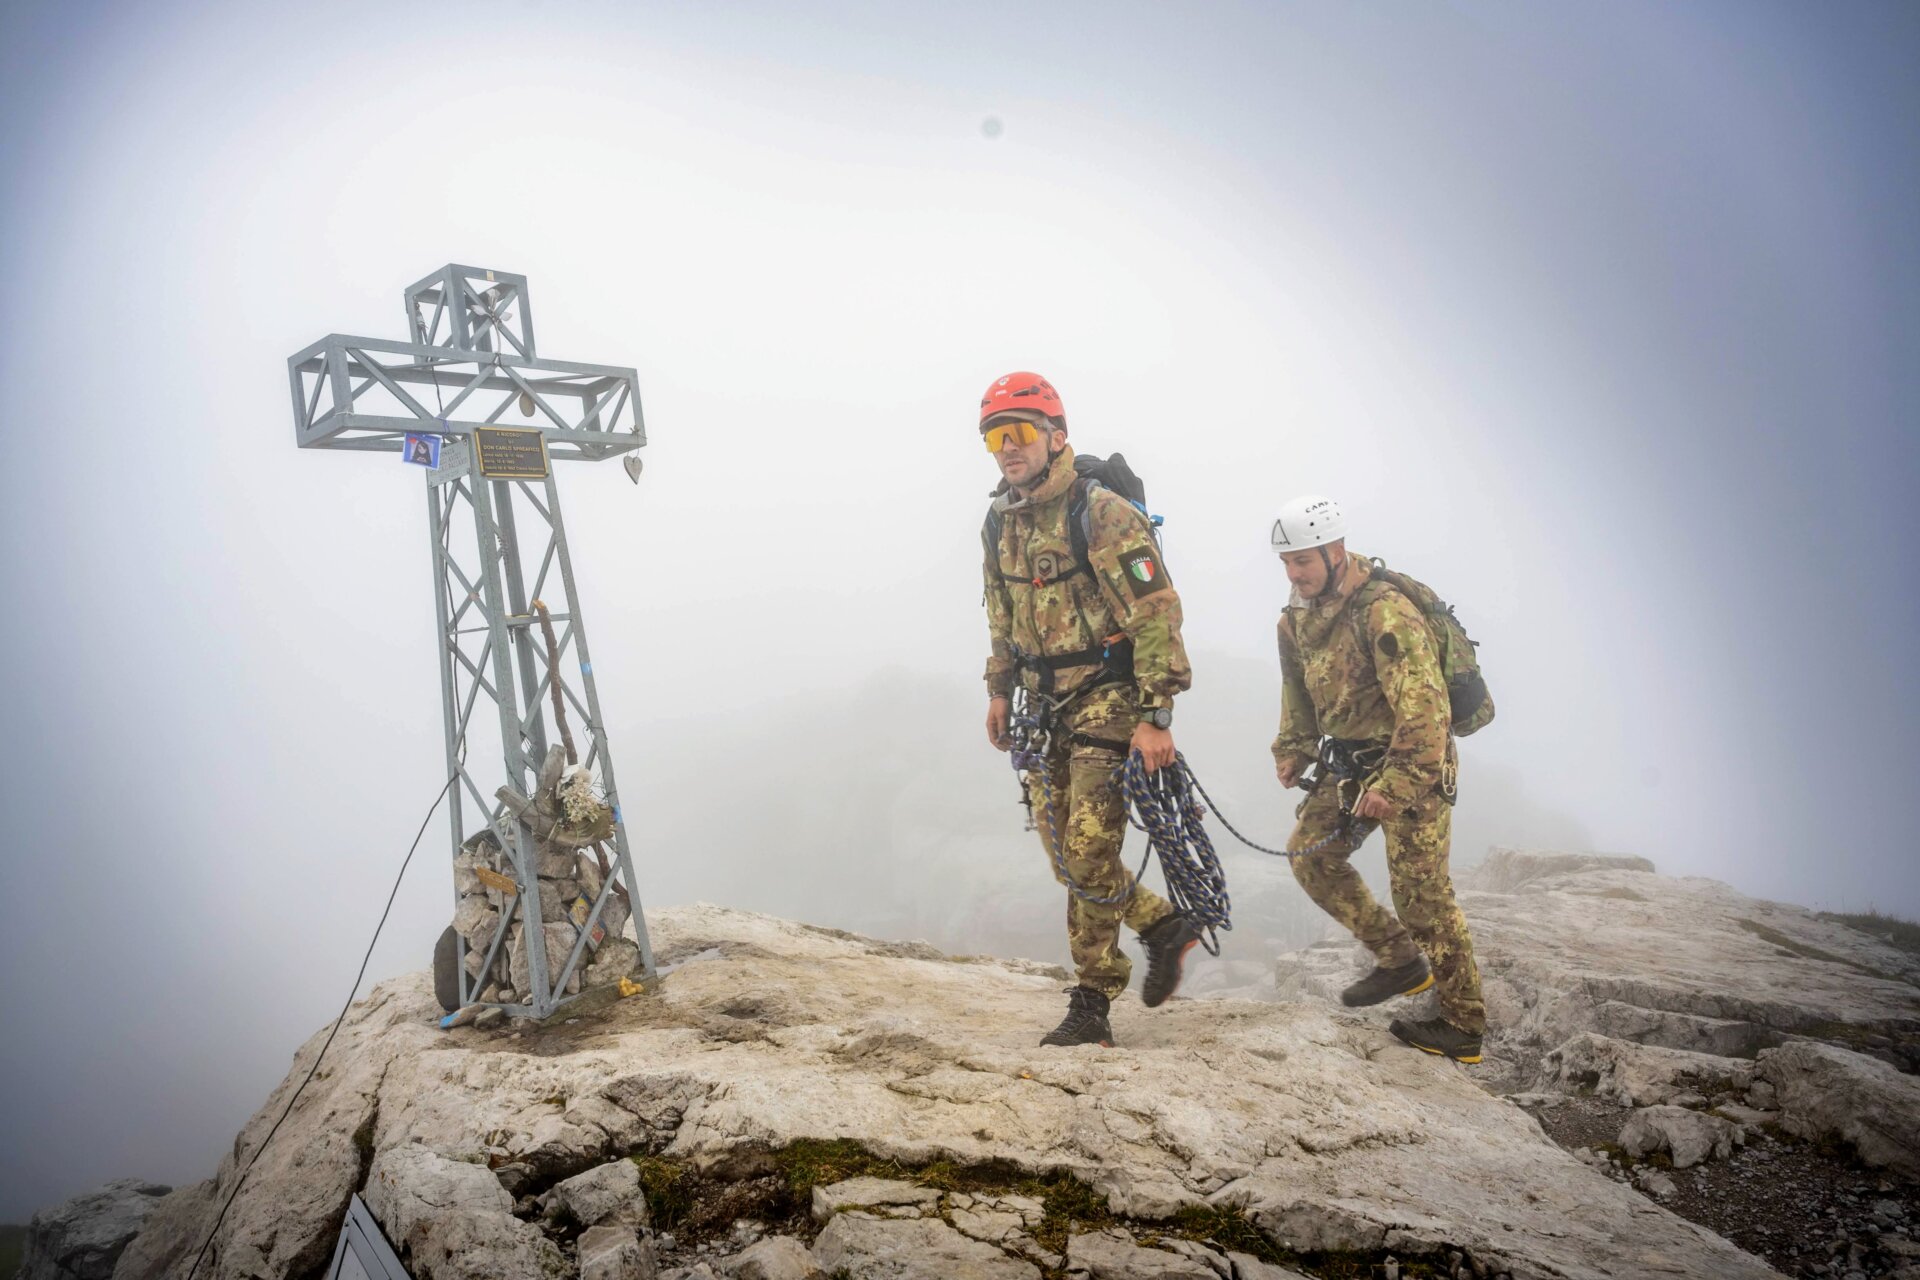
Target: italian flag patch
(1143, 572)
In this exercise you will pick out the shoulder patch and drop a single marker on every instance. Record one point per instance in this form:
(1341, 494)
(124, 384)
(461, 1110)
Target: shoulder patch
(1389, 645)
(1143, 571)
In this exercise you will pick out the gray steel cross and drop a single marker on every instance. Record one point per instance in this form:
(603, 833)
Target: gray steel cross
(471, 361)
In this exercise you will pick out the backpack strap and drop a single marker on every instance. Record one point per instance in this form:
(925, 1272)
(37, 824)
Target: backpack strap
(1079, 534)
(1080, 523)
(1358, 613)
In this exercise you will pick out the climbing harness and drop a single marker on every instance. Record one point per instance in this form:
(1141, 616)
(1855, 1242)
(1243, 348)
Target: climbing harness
(1347, 763)
(1031, 727)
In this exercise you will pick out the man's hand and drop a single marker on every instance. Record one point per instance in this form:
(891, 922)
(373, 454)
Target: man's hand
(1154, 745)
(1288, 771)
(998, 709)
(1372, 804)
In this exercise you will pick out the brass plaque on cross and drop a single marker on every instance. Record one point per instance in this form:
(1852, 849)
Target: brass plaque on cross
(511, 453)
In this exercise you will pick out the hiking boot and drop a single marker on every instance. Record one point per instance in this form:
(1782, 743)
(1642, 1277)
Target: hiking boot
(1167, 942)
(1384, 984)
(1085, 1023)
(1438, 1036)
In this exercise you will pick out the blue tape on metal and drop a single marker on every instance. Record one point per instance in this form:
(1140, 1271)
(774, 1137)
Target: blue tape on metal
(616, 815)
(586, 668)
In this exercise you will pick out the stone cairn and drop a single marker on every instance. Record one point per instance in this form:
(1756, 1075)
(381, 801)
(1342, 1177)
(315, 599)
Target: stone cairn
(571, 824)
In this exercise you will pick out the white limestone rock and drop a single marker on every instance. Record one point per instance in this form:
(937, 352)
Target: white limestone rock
(454, 1221)
(1747, 1118)
(1825, 1091)
(1638, 1075)
(911, 1249)
(1210, 1258)
(609, 1193)
(616, 1252)
(885, 1197)
(775, 1258)
(1114, 1255)
(1248, 1267)
(1655, 1183)
(993, 1226)
(1570, 944)
(560, 940)
(1690, 1137)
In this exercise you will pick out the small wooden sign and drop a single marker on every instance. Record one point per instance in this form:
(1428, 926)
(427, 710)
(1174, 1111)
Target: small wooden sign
(511, 453)
(494, 880)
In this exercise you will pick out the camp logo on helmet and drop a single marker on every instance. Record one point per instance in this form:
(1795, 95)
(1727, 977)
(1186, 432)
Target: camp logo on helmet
(1025, 391)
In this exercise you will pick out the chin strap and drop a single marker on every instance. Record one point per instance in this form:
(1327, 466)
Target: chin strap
(1046, 471)
(1333, 577)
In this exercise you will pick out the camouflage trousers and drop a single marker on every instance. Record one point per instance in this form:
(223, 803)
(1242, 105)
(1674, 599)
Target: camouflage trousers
(1429, 918)
(1080, 805)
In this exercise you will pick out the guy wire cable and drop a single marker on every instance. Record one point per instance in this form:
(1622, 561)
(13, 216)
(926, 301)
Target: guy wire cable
(445, 787)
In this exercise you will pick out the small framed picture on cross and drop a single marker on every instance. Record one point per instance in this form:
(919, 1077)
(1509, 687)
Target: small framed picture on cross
(421, 451)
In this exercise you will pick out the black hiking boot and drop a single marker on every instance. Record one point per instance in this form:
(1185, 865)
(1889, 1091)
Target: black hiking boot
(1085, 1023)
(1167, 942)
(1438, 1036)
(1384, 984)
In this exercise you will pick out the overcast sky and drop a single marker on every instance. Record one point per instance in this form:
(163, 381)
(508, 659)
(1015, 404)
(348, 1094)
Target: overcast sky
(1599, 318)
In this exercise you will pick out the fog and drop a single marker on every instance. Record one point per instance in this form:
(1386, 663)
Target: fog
(1600, 319)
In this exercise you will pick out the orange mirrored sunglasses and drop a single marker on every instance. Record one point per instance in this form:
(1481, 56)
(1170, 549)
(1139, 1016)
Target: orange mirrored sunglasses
(1010, 433)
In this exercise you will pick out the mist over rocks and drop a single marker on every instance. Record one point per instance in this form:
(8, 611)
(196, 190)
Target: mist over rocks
(1310, 1126)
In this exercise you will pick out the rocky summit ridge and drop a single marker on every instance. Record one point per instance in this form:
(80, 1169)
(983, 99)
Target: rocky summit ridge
(797, 1101)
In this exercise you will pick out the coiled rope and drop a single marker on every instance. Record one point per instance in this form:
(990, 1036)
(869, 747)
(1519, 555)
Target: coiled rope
(1169, 806)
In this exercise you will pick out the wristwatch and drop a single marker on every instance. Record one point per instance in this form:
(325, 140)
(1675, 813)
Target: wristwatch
(1158, 717)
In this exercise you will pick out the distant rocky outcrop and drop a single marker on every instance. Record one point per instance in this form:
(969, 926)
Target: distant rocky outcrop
(798, 1102)
(1662, 1028)
(83, 1238)
(1602, 975)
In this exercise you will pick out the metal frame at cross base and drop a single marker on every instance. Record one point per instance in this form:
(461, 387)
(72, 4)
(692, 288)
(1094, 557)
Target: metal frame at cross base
(472, 357)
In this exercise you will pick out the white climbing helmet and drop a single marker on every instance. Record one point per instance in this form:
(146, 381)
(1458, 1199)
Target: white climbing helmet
(1308, 521)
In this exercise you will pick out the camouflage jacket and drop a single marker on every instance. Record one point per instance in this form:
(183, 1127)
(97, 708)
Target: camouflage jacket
(1361, 665)
(1041, 602)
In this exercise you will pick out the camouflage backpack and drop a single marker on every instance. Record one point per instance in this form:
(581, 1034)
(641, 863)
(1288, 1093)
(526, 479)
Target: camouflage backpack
(1467, 692)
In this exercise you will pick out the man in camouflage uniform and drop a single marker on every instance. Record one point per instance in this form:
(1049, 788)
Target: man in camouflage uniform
(1096, 642)
(1363, 681)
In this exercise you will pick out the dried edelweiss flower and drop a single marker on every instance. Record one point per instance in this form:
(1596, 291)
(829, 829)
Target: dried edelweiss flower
(579, 803)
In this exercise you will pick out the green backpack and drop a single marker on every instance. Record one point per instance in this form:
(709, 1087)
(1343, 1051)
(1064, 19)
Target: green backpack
(1467, 694)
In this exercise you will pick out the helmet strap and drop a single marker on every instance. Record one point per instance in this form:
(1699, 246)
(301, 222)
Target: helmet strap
(1052, 453)
(1326, 562)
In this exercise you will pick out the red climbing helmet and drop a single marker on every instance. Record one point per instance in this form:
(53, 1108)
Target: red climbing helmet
(1022, 391)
